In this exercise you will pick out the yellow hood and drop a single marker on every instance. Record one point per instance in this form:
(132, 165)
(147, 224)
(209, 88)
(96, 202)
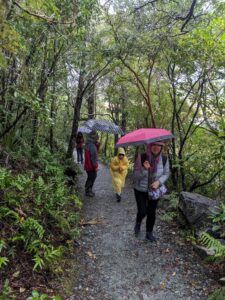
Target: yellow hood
(121, 151)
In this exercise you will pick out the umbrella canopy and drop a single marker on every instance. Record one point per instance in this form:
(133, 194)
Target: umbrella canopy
(84, 129)
(144, 136)
(104, 126)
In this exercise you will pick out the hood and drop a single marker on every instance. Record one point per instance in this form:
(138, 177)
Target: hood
(92, 137)
(121, 151)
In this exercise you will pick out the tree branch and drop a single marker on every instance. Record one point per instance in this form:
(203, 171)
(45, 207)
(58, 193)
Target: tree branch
(143, 5)
(188, 17)
(195, 185)
(43, 17)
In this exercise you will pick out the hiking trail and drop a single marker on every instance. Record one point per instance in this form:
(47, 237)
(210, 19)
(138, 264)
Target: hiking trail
(112, 264)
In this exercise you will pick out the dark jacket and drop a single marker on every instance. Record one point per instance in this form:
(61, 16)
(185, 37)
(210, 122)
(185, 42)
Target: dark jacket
(90, 157)
(79, 142)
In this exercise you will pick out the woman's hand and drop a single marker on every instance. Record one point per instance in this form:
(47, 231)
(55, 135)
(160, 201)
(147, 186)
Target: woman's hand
(146, 165)
(155, 185)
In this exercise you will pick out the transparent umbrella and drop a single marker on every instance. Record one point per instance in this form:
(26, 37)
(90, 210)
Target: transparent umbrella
(103, 126)
(84, 129)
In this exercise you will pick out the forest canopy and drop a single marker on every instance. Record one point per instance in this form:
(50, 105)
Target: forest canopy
(137, 63)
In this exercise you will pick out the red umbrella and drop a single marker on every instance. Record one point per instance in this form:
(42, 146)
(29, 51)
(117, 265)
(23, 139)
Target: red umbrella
(144, 136)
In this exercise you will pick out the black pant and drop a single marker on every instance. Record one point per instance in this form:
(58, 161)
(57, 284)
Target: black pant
(91, 176)
(145, 207)
(80, 155)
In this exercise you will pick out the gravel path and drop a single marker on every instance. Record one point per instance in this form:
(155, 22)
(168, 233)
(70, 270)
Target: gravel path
(112, 264)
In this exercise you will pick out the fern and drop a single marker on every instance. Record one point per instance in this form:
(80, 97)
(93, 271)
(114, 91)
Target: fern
(213, 244)
(39, 262)
(30, 225)
(52, 254)
(219, 294)
(33, 205)
(3, 261)
(6, 292)
(2, 245)
(7, 212)
(168, 217)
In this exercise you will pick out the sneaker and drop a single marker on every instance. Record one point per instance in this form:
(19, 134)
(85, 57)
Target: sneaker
(118, 197)
(150, 237)
(137, 229)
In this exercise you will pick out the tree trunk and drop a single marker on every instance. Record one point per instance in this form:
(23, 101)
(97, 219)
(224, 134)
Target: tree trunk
(91, 102)
(106, 144)
(52, 116)
(76, 114)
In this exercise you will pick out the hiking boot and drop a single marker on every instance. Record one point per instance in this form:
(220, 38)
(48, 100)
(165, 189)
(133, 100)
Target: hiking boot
(89, 194)
(118, 197)
(137, 229)
(150, 237)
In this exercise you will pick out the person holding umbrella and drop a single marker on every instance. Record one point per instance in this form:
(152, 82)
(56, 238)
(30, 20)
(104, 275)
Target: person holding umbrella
(118, 171)
(91, 161)
(151, 170)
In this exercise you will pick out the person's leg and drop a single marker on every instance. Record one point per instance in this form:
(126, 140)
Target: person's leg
(141, 200)
(151, 213)
(88, 184)
(93, 175)
(78, 155)
(116, 182)
(81, 156)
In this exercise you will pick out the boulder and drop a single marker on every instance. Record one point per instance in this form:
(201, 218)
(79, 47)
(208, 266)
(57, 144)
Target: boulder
(203, 252)
(194, 209)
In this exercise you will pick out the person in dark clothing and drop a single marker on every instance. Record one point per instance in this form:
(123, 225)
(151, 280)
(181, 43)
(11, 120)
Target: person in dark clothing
(91, 162)
(79, 147)
(148, 164)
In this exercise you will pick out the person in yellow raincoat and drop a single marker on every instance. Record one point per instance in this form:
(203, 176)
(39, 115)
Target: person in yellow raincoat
(118, 170)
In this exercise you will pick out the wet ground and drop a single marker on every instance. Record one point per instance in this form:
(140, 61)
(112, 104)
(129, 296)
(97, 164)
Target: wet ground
(112, 264)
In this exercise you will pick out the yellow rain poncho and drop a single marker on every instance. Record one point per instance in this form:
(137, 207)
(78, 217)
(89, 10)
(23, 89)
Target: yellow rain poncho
(118, 170)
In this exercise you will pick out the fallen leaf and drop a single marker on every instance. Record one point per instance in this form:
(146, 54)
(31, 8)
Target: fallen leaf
(22, 290)
(16, 274)
(97, 220)
(174, 274)
(91, 255)
(20, 212)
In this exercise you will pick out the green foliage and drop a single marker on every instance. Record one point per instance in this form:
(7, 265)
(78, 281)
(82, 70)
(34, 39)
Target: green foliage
(6, 292)
(3, 261)
(105, 160)
(39, 296)
(168, 216)
(36, 204)
(218, 219)
(219, 294)
(213, 244)
(172, 199)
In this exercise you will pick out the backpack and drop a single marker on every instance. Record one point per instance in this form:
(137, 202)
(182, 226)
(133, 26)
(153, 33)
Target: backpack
(164, 160)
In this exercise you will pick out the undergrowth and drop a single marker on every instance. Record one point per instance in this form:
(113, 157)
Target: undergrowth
(39, 216)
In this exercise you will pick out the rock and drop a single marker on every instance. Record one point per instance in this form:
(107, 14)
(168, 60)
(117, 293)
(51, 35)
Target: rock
(203, 252)
(195, 209)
